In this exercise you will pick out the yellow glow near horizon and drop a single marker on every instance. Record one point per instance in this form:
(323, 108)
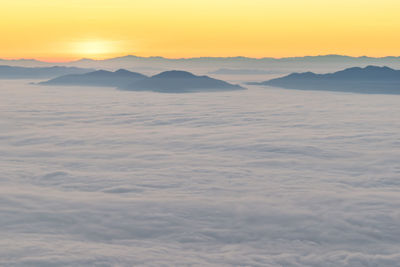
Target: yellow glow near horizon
(93, 48)
(183, 28)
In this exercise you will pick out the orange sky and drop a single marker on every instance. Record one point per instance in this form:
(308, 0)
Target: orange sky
(59, 30)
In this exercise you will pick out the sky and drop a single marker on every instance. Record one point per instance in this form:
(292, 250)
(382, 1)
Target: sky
(62, 30)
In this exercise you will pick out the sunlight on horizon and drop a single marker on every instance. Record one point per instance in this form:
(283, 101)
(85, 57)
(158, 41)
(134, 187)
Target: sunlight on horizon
(94, 48)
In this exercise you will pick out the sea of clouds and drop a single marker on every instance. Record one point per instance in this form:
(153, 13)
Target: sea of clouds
(262, 177)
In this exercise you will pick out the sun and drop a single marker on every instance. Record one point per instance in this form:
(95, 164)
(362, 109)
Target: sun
(94, 48)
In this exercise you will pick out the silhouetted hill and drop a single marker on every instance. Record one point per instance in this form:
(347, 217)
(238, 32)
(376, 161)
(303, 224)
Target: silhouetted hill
(180, 81)
(105, 78)
(370, 79)
(11, 72)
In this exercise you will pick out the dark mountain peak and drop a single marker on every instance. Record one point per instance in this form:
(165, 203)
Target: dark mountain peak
(303, 75)
(367, 69)
(123, 71)
(366, 73)
(126, 73)
(176, 81)
(379, 68)
(106, 78)
(364, 69)
(174, 74)
(370, 79)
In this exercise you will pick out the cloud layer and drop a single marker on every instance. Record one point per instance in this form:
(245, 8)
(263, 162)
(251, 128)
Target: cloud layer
(263, 177)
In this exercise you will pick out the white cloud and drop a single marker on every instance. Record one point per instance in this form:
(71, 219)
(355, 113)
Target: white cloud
(254, 178)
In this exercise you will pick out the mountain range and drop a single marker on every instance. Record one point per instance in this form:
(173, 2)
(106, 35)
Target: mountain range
(181, 81)
(12, 72)
(119, 78)
(168, 81)
(371, 79)
(152, 65)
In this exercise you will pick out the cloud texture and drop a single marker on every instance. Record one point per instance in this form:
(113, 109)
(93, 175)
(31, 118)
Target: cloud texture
(263, 177)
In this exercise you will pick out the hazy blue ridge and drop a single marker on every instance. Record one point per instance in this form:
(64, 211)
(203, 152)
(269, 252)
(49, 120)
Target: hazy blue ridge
(180, 81)
(12, 72)
(104, 78)
(239, 65)
(371, 79)
(168, 81)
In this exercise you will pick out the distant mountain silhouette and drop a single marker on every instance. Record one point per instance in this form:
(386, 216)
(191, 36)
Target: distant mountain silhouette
(323, 63)
(11, 72)
(225, 71)
(371, 79)
(104, 78)
(168, 81)
(180, 81)
(32, 63)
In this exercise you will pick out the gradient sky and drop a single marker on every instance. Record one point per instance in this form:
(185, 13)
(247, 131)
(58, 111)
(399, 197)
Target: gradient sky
(69, 29)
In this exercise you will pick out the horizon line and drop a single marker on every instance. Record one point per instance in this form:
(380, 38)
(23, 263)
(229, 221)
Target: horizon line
(186, 58)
